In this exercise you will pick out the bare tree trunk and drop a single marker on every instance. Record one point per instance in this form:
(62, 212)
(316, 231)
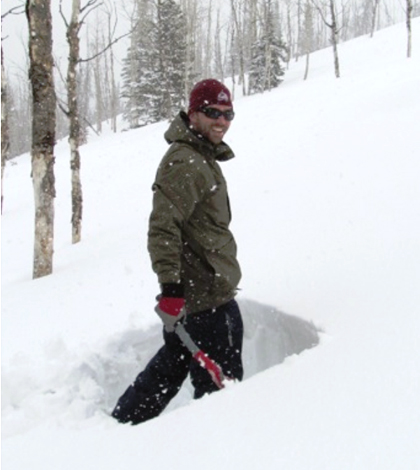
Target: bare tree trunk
(374, 14)
(208, 53)
(5, 140)
(114, 96)
(408, 22)
(334, 32)
(308, 35)
(306, 74)
(232, 58)
(98, 91)
(299, 30)
(189, 8)
(166, 103)
(218, 50)
(73, 111)
(38, 13)
(240, 42)
(334, 38)
(289, 33)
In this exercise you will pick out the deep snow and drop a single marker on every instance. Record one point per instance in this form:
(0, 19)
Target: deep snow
(326, 210)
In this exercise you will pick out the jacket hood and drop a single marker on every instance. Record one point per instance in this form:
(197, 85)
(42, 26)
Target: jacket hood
(180, 131)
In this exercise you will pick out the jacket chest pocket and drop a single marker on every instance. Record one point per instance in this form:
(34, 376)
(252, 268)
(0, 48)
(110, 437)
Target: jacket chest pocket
(217, 201)
(217, 205)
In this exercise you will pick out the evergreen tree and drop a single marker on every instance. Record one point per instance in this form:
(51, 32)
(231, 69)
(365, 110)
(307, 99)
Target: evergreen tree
(129, 76)
(268, 56)
(172, 32)
(139, 69)
(154, 71)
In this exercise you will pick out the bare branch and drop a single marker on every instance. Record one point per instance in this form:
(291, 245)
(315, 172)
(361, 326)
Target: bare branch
(82, 20)
(317, 7)
(57, 67)
(106, 48)
(65, 111)
(90, 125)
(62, 14)
(17, 10)
(89, 4)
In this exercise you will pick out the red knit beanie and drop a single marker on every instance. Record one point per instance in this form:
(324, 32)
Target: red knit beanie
(208, 92)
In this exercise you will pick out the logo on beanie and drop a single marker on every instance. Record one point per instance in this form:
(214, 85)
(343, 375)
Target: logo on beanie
(222, 96)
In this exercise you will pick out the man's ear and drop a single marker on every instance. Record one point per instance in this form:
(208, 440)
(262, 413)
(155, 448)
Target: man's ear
(193, 118)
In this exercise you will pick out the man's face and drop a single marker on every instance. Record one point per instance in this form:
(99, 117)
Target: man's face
(213, 129)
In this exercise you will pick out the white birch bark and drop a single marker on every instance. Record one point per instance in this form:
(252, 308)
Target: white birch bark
(5, 142)
(409, 13)
(43, 132)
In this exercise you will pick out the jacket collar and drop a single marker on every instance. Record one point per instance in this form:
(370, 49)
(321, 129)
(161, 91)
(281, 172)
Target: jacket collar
(181, 131)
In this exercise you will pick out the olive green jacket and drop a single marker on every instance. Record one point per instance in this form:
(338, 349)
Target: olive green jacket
(189, 240)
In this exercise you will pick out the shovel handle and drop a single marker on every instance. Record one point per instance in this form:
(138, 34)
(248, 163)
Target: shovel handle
(205, 361)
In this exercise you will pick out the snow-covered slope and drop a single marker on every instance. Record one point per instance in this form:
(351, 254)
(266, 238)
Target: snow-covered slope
(325, 199)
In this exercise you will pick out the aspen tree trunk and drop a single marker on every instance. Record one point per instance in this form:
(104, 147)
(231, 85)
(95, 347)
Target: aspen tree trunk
(166, 103)
(218, 50)
(38, 13)
(267, 72)
(73, 111)
(133, 119)
(334, 38)
(114, 97)
(5, 141)
(374, 13)
(308, 32)
(408, 22)
(306, 74)
(189, 8)
(98, 89)
(240, 43)
(209, 47)
(334, 32)
(232, 58)
(289, 34)
(299, 30)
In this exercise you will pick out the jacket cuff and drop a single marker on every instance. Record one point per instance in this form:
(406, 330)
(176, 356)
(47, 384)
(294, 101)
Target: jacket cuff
(172, 290)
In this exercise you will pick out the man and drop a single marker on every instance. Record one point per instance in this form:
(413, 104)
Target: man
(194, 256)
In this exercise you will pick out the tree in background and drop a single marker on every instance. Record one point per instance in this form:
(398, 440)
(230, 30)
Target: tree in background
(190, 11)
(218, 38)
(5, 107)
(332, 25)
(38, 13)
(375, 9)
(155, 68)
(308, 35)
(138, 68)
(268, 55)
(5, 141)
(172, 57)
(409, 12)
(76, 137)
(238, 40)
(73, 28)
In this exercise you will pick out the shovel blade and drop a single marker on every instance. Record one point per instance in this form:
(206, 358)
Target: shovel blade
(212, 368)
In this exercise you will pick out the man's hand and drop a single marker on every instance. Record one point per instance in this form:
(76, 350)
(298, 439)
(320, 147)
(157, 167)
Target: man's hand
(170, 310)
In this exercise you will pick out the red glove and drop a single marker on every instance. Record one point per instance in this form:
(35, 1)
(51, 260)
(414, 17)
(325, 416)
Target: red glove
(170, 310)
(171, 305)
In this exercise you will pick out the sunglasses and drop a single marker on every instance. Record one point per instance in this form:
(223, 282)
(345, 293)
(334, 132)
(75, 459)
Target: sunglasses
(214, 113)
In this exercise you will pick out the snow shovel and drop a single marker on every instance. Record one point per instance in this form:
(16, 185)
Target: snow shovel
(172, 323)
(206, 362)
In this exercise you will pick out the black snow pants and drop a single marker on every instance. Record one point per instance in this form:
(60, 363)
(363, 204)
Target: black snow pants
(218, 332)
